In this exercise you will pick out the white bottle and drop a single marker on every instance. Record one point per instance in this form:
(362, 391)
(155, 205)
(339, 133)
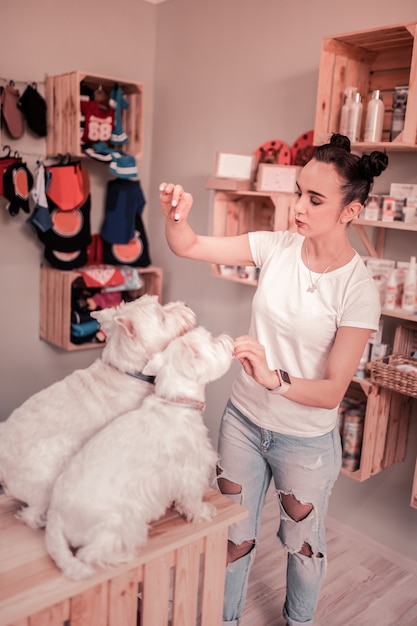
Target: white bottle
(345, 110)
(374, 118)
(391, 291)
(355, 118)
(410, 288)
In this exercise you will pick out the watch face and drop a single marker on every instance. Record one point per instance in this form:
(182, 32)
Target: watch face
(285, 377)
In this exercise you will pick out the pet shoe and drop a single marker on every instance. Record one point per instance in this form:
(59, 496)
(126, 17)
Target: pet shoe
(100, 151)
(124, 166)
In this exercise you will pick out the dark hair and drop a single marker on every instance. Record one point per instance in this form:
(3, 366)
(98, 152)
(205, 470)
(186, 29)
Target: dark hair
(358, 172)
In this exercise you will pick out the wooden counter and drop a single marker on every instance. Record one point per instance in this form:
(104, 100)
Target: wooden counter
(178, 576)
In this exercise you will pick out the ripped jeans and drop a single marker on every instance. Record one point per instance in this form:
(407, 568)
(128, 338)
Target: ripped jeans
(305, 467)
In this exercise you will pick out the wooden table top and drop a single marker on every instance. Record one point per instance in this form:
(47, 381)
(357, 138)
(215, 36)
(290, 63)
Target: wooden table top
(30, 581)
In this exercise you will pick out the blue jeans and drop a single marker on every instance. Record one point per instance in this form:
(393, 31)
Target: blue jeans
(304, 467)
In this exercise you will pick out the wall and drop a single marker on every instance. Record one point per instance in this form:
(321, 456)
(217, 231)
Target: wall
(218, 75)
(54, 38)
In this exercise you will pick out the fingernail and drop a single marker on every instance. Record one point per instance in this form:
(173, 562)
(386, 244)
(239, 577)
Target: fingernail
(174, 203)
(161, 187)
(177, 217)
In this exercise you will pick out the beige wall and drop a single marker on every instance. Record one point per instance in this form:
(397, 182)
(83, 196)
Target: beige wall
(219, 75)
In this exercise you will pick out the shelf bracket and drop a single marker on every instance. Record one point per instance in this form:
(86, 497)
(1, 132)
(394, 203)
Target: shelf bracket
(380, 241)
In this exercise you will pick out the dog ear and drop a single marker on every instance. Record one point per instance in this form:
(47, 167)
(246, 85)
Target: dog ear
(126, 324)
(154, 364)
(104, 318)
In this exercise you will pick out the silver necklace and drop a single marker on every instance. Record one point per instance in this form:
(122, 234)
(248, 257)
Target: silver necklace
(313, 283)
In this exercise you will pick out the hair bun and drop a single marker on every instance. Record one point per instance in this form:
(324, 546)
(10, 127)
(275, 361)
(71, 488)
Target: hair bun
(341, 141)
(373, 164)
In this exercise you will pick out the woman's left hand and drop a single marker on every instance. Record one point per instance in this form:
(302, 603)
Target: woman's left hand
(252, 356)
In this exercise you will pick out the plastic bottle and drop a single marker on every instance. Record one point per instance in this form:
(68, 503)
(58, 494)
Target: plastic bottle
(374, 118)
(355, 118)
(345, 110)
(391, 292)
(410, 288)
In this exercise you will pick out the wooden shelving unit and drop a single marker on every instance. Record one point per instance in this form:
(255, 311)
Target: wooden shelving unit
(378, 58)
(238, 212)
(55, 303)
(385, 428)
(62, 93)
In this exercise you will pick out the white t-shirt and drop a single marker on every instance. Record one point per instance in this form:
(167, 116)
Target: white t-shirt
(298, 328)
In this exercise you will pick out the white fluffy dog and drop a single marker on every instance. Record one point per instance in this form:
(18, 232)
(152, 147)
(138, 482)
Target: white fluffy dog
(40, 436)
(140, 464)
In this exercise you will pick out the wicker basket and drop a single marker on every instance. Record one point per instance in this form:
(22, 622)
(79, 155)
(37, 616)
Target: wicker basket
(384, 372)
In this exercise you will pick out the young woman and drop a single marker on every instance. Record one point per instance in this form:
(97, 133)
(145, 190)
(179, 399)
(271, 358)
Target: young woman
(312, 314)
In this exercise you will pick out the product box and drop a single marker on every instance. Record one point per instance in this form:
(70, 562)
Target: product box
(401, 191)
(271, 177)
(399, 106)
(372, 207)
(410, 211)
(379, 351)
(240, 166)
(395, 288)
(380, 270)
(388, 208)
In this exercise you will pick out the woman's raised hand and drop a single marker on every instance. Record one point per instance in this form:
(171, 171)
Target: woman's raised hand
(175, 202)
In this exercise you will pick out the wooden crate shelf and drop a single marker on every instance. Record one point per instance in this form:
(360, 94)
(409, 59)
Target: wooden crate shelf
(385, 428)
(379, 58)
(62, 95)
(55, 303)
(182, 562)
(239, 212)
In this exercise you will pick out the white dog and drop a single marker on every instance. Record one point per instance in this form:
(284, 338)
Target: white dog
(140, 464)
(40, 436)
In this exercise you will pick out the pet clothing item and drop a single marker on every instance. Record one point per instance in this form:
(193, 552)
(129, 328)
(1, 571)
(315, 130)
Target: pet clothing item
(102, 276)
(124, 200)
(131, 278)
(40, 218)
(69, 185)
(99, 119)
(124, 166)
(108, 299)
(70, 229)
(5, 162)
(84, 332)
(100, 151)
(119, 103)
(13, 117)
(33, 106)
(134, 253)
(17, 181)
(65, 260)
(95, 250)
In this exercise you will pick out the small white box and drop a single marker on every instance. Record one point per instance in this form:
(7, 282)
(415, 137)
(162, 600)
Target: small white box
(388, 208)
(372, 207)
(403, 190)
(234, 166)
(273, 177)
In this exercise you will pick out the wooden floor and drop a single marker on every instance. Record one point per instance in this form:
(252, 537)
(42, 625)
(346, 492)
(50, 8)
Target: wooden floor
(366, 583)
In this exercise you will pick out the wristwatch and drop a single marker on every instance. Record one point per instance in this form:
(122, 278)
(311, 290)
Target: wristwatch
(284, 385)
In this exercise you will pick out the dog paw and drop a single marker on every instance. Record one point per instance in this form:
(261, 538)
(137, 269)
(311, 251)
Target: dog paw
(203, 513)
(32, 516)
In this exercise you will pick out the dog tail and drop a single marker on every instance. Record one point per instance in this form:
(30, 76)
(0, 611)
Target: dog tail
(60, 551)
